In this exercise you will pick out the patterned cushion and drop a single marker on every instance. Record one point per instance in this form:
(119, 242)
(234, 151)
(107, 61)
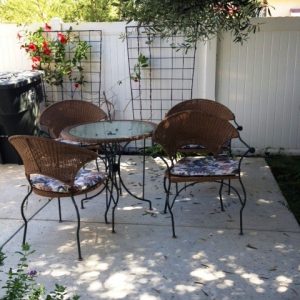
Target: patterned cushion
(205, 166)
(192, 146)
(84, 180)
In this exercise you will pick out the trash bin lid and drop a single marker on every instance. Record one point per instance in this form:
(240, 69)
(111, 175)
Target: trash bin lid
(10, 80)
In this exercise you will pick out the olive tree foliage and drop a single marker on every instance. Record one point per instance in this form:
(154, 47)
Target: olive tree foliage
(38, 11)
(196, 19)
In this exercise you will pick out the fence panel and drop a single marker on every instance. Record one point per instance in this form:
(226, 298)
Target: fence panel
(259, 81)
(115, 81)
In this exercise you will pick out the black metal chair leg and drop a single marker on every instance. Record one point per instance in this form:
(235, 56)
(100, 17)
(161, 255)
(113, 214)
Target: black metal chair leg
(166, 191)
(173, 222)
(243, 203)
(108, 202)
(78, 228)
(111, 186)
(82, 200)
(23, 215)
(220, 195)
(229, 187)
(170, 209)
(59, 210)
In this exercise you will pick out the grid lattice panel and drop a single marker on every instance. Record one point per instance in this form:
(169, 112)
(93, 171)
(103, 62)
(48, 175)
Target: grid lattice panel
(91, 89)
(168, 78)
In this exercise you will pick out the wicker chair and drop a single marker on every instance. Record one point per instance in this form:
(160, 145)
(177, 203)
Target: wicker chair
(56, 170)
(66, 113)
(207, 106)
(196, 127)
(210, 107)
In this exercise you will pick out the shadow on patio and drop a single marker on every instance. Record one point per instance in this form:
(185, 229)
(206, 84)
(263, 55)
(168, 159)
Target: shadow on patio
(208, 260)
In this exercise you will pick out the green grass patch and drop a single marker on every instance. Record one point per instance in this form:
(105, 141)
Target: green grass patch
(286, 170)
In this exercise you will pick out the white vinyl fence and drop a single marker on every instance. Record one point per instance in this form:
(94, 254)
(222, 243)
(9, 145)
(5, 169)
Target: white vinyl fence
(115, 74)
(259, 80)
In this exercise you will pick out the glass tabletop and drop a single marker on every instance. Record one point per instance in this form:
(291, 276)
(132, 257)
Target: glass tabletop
(110, 131)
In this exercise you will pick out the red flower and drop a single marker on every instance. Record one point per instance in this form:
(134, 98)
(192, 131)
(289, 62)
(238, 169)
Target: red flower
(32, 47)
(62, 38)
(36, 62)
(36, 59)
(47, 27)
(46, 49)
(76, 85)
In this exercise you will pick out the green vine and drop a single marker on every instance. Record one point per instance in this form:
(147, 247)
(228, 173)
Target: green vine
(57, 54)
(142, 62)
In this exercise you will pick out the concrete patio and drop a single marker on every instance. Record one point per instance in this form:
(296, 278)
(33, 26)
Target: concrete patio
(208, 260)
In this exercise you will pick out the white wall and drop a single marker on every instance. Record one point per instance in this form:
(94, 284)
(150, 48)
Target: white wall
(281, 8)
(259, 81)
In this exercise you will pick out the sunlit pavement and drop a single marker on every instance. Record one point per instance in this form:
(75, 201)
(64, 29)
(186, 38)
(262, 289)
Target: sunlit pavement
(208, 259)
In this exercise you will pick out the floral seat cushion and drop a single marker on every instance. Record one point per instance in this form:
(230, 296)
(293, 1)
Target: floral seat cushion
(205, 166)
(193, 146)
(84, 180)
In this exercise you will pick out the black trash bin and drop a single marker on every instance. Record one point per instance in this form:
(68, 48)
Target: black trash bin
(20, 96)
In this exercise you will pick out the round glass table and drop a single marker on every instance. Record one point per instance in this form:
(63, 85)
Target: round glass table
(113, 136)
(115, 131)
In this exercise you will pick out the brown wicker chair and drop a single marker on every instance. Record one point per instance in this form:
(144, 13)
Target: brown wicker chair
(207, 106)
(210, 107)
(56, 170)
(66, 113)
(196, 127)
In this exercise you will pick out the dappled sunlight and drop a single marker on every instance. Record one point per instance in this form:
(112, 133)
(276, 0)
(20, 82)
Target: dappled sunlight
(264, 201)
(94, 286)
(58, 272)
(183, 289)
(252, 278)
(92, 261)
(208, 260)
(207, 273)
(68, 247)
(118, 285)
(146, 296)
(136, 207)
(283, 248)
(227, 283)
(283, 283)
(66, 227)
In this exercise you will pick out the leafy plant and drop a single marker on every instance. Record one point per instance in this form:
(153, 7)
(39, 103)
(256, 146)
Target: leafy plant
(142, 62)
(58, 54)
(21, 283)
(196, 20)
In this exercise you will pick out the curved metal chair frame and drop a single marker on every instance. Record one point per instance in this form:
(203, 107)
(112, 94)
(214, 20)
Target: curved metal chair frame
(47, 157)
(196, 127)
